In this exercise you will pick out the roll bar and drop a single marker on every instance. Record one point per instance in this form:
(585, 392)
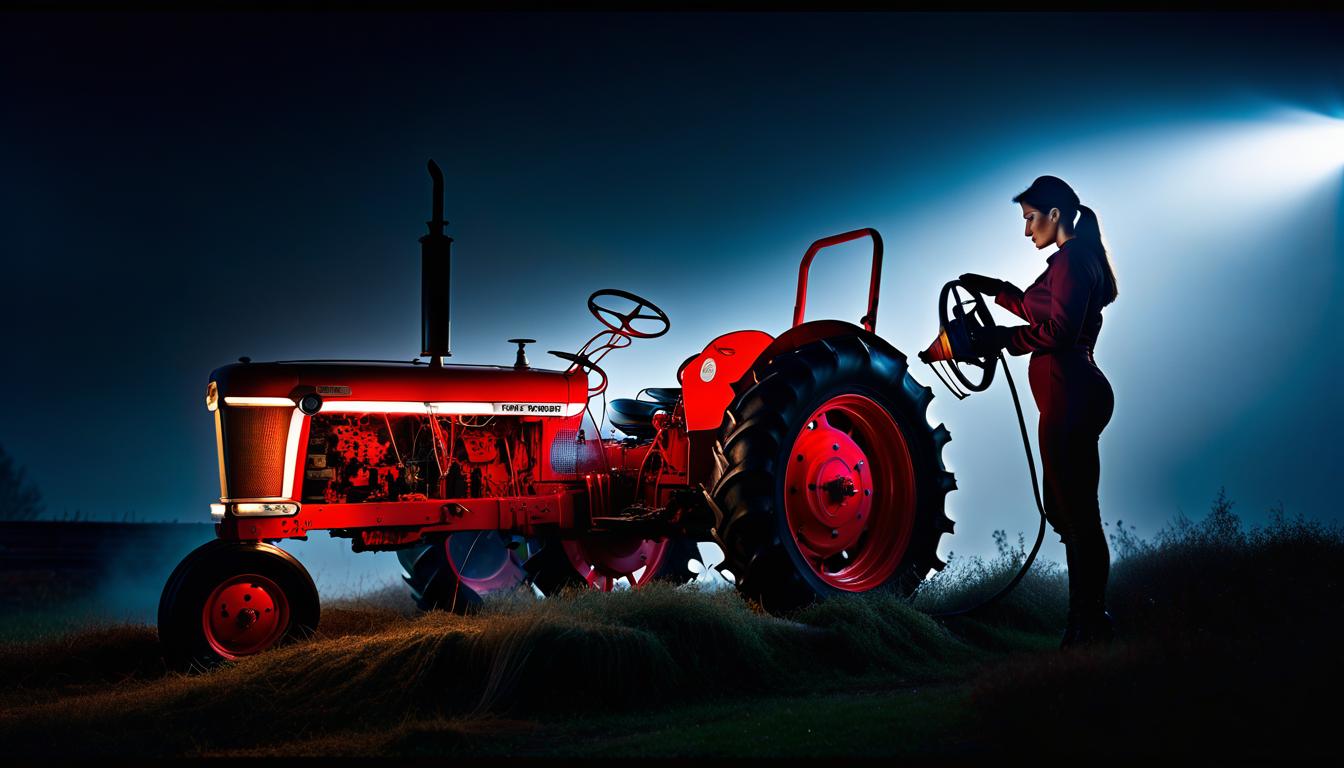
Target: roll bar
(869, 320)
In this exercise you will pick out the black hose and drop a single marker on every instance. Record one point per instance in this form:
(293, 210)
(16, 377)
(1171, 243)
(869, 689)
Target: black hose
(1036, 491)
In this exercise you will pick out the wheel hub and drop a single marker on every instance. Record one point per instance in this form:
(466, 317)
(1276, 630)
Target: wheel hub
(840, 489)
(827, 472)
(849, 495)
(244, 615)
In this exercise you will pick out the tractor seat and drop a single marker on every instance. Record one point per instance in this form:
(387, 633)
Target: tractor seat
(635, 417)
(666, 395)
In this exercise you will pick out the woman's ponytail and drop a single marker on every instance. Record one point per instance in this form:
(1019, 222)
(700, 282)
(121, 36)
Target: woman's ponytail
(1089, 228)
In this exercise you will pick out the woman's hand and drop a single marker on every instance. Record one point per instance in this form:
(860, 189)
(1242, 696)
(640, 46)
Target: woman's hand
(987, 286)
(987, 341)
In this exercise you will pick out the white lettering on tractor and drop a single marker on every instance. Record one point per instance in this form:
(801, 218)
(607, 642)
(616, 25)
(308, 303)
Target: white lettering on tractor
(531, 409)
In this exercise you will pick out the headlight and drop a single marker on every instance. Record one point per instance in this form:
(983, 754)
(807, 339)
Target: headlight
(265, 509)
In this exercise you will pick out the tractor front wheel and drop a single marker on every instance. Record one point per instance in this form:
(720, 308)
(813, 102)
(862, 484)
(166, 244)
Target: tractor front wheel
(230, 599)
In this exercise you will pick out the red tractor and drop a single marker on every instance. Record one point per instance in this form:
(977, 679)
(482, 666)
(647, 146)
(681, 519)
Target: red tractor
(806, 456)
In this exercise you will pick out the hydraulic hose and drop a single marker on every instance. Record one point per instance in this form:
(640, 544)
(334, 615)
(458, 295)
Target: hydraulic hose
(1036, 491)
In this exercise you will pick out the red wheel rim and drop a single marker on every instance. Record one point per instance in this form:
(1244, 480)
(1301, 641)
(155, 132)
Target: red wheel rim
(246, 614)
(604, 560)
(849, 493)
(482, 563)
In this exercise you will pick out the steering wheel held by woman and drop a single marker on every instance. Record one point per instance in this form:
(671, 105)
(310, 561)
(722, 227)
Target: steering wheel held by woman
(977, 321)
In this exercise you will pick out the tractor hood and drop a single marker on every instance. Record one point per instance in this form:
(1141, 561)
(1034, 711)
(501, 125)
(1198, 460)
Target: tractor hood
(451, 388)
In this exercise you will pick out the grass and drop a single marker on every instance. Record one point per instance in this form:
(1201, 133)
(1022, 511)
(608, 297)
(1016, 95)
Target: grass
(1228, 650)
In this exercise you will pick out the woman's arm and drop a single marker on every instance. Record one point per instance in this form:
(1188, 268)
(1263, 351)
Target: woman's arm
(1073, 275)
(1010, 298)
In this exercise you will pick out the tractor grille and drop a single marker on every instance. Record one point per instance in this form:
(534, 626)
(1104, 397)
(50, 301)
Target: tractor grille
(254, 451)
(564, 452)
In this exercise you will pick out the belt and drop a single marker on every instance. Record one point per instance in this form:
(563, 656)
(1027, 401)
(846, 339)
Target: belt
(1085, 351)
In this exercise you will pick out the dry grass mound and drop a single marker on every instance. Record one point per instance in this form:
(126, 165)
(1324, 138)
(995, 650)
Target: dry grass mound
(371, 666)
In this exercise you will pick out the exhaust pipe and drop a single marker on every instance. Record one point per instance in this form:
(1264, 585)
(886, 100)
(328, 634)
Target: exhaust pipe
(435, 280)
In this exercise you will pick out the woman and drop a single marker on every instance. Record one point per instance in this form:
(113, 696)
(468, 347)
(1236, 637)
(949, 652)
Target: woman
(1063, 309)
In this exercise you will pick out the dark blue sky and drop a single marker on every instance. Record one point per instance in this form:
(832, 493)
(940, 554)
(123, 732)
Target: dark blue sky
(181, 190)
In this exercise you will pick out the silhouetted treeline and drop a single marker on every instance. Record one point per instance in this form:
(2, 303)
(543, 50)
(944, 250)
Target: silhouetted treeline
(19, 499)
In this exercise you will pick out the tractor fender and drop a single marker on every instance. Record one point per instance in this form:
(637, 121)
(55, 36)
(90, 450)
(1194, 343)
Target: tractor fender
(707, 379)
(807, 333)
(733, 362)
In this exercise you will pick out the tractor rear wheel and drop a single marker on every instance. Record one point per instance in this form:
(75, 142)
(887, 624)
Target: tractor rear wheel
(453, 574)
(830, 479)
(230, 599)
(608, 561)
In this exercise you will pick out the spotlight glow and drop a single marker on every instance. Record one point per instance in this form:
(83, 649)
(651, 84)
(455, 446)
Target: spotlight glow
(1300, 146)
(1316, 144)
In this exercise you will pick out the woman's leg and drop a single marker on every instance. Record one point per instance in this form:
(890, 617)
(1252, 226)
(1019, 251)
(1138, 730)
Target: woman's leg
(1098, 557)
(1073, 416)
(1058, 470)
(1094, 557)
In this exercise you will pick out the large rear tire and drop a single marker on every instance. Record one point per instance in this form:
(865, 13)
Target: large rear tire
(606, 561)
(434, 572)
(231, 599)
(829, 478)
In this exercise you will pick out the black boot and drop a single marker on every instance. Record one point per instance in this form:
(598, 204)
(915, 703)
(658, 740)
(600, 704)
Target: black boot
(1076, 590)
(1096, 628)
(1099, 631)
(1070, 638)
(1089, 623)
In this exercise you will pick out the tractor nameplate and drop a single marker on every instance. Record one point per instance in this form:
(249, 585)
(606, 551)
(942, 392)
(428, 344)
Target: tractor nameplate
(531, 409)
(708, 370)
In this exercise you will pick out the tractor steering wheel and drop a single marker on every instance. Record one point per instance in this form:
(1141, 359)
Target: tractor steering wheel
(978, 318)
(624, 319)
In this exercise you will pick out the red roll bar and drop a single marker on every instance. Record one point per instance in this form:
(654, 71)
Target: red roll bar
(869, 321)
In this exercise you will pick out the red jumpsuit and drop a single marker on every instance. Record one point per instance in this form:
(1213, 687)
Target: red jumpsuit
(1075, 402)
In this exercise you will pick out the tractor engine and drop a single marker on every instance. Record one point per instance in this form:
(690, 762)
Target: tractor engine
(354, 457)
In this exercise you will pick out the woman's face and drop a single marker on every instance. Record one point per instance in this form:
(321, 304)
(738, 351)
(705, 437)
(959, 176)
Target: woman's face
(1039, 226)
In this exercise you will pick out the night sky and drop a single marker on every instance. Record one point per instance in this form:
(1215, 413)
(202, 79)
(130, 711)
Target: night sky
(177, 191)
